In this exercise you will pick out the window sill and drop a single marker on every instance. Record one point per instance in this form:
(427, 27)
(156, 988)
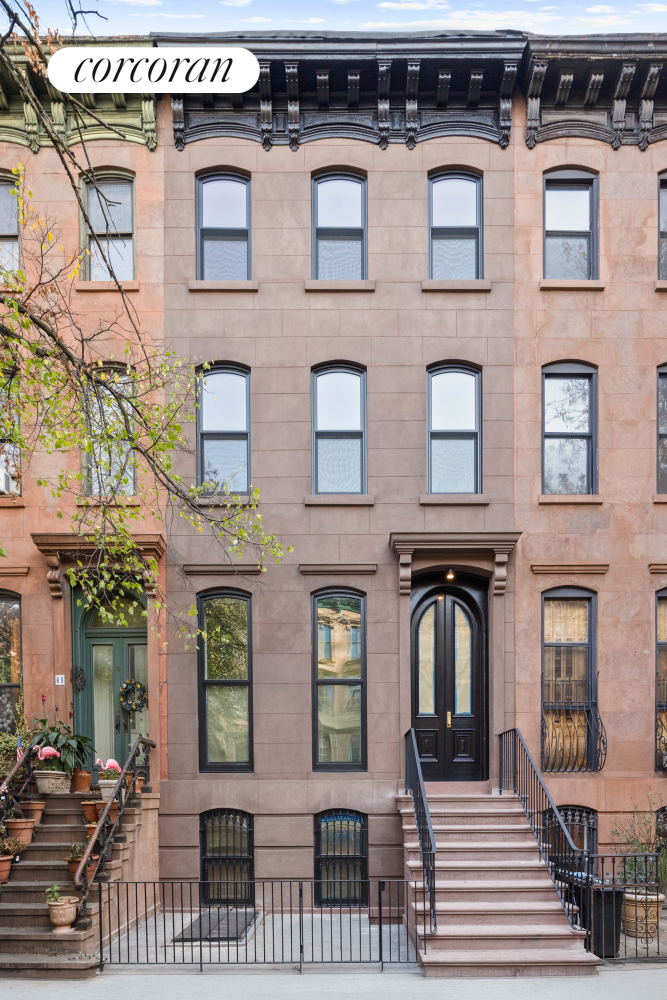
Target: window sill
(469, 285)
(661, 286)
(563, 569)
(14, 570)
(339, 286)
(571, 285)
(220, 501)
(453, 499)
(337, 569)
(221, 569)
(571, 498)
(97, 502)
(12, 501)
(660, 498)
(105, 286)
(223, 286)
(339, 500)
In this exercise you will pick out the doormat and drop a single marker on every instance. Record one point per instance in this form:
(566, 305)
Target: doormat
(219, 925)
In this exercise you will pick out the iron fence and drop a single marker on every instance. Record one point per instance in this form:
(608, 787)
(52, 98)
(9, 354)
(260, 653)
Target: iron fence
(280, 922)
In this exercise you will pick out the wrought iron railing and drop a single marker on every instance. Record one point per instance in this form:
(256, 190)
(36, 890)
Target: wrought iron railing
(661, 726)
(573, 737)
(285, 922)
(414, 783)
(16, 784)
(110, 830)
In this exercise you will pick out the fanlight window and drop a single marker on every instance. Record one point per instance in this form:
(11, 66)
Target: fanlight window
(341, 858)
(227, 857)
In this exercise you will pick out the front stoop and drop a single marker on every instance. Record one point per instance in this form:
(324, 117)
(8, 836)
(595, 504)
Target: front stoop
(498, 913)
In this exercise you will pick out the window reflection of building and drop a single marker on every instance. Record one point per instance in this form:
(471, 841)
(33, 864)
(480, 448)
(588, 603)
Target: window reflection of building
(10, 660)
(339, 674)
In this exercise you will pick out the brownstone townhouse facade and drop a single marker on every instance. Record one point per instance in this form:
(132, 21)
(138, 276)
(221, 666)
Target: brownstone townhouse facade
(428, 273)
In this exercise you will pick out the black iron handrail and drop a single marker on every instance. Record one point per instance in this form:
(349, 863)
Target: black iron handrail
(414, 783)
(564, 860)
(9, 794)
(105, 831)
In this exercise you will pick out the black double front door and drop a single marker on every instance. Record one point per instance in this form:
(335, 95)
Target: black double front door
(448, 696)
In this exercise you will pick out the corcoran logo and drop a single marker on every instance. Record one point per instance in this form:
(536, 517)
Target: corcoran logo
(200, 69)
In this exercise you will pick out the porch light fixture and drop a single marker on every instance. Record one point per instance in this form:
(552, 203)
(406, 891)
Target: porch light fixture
(450, 574)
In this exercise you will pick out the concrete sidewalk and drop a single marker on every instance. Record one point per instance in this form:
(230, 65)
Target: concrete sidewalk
(619, 983)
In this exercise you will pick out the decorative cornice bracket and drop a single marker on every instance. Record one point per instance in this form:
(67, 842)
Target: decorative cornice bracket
(474, 87)
(178, 121)
(625, 78)
(265, 105)
(646, 104)
(505, 104)
(293, 121)
(444, 83)
(411, 117)
(353, 78)
(384, 76)
(593, 85)
(564, 86)
(323, 88)
(537, 73)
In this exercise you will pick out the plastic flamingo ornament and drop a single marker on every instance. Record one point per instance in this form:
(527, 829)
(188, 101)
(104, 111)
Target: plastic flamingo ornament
(43, 753)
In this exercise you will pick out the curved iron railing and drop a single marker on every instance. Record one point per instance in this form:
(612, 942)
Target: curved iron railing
(414, 783)
(573, 737)
(108, 830)
(661, 726)
(11, 787)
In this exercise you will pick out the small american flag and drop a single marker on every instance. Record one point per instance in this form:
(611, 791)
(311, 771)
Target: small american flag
(19, 747)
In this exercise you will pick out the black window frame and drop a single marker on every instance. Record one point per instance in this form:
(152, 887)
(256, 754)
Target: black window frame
(322, 899)
(445, 232)
(575, 369)
(660, 702)
(344, 233)
(316, 435)
(12, 596)
(573, 178)
(662, 234)
(202, 684)
(222, 235)
(596, 746)
(439, 369)
(113, 176)
(318, 682)
(244, 861)
(202, 435)
(661, 373)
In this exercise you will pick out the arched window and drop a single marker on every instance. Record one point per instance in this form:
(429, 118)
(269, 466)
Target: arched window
(570, 224)
(661, 682)
(111, 215)
(225, 682)
(341, 858)
(224, 430)
(339, 681)
(223, 228)
(227, 857)
(9, 225)
(454, 411)
(662, 429)
(581, 823)
(569, 429)
(339, 227)
(339, 429)
(455, 226)
(662, 228)
(10, 659)
(573, 736)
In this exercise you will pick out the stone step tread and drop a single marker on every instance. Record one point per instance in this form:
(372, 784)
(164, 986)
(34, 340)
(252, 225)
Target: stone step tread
(457, 885)
(481, 865)
(29, 909)
(42, 934)
(483, 845)
(477, 827)
(511, 931)
(509, 908)
(47, 962)
(512, 956)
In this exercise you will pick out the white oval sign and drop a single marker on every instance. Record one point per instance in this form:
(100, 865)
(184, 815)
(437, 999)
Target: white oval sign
(200, 69)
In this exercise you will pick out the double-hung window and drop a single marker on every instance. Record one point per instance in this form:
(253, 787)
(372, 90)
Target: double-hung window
(339, 227)
(573, 736)
(454, 457)
(110, 460)
(10, 660)
(569, 419)
(455, 245)
(223, 228)
(661, 682)
(662, 429)
(570, 225)
(662, 229)
(111, 215)
(224, 431)
(225, 675)
(10, 453)
(339, 681)
(9, 227)
(339, 436)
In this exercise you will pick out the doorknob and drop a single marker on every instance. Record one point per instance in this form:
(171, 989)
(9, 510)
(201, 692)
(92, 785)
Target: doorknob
(449, 720)
(118, 725)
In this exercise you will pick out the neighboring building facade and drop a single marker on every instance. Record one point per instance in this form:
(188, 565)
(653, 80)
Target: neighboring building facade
(426, 272)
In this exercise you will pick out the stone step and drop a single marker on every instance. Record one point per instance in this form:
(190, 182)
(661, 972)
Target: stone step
(24, 914)
(37, 940)
(512, 832)
(457, 788)
(48, 967)
(466, 817)
(510, 962)
(482, 871)
(55, 870)
(500, 937)
(485, 913)
(54, 850)
(484, 850)
(59, 816)
(470, 891)
(60, 833)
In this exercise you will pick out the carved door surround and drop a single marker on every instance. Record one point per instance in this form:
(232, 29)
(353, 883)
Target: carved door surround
(61, 549)
(445, 544)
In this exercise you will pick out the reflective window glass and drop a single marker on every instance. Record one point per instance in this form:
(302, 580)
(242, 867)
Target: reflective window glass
(339, 204)
(224, 204)
(453, 401)
(454, 202)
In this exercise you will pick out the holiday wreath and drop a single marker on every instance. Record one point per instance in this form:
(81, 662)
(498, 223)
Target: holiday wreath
(133, 696)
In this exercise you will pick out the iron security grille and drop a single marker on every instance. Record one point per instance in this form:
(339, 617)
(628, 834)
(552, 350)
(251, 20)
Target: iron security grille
(227, 857)
(580, 823)
(341, 859)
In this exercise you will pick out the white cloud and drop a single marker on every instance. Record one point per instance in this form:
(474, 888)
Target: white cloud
(600, 9)
(175, 16)
(343, 1)
(235, 3)
(483, 20)
(655, 8)
(548, 8)
(142, 3)
(413, 5)
(257, 20)
(612, 21)
(313, 20)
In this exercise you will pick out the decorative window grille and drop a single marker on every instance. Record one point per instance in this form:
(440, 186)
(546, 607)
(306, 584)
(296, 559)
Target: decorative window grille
(341, 858)
(580, 822)
(227, 857)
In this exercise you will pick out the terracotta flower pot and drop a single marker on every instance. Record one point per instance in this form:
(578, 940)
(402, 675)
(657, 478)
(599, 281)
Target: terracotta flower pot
(33, 810)
(5, 866)
(89, 810)
(73, 865)
(63, 914)
(80, 781)
(90, 830)
(21, 829)
(113, 810)
(139, 785)
(51, 782)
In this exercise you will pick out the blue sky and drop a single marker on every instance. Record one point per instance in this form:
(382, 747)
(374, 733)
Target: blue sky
(544, 16)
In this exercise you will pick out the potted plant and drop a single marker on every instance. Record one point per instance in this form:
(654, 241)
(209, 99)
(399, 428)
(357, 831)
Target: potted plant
(20, 828)
(109, 774)
(643, 869)
(80, 783)
(90, 830)
(5, 864)
(50, 779)
(14, 847)
(113, 811)
(90, 810)
(76, 852)
(62, 910)
(73, 749)
(33, 810)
